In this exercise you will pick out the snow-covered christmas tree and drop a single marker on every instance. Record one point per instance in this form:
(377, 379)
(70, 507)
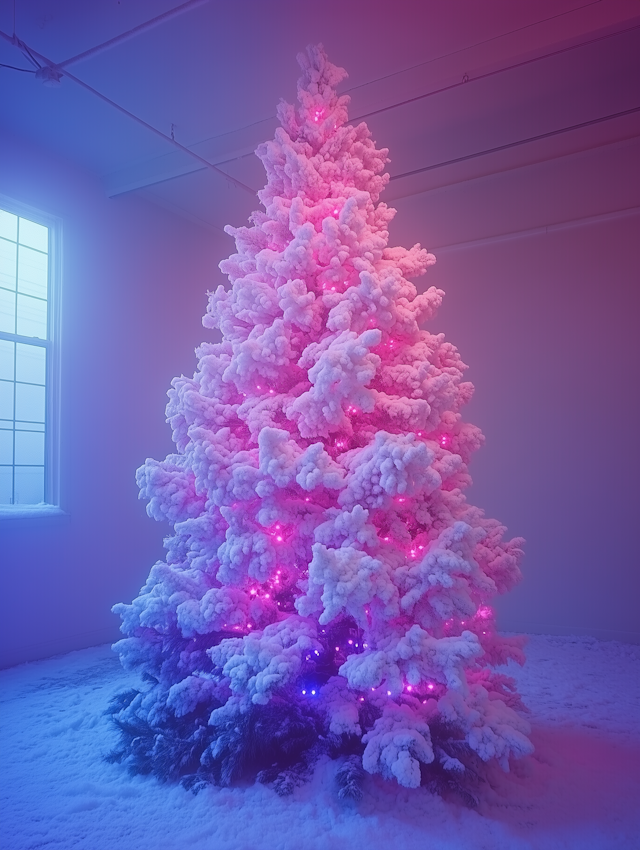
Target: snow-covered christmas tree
(326, 587)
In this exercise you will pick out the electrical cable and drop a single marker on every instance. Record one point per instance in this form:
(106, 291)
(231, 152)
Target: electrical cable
(13, 68)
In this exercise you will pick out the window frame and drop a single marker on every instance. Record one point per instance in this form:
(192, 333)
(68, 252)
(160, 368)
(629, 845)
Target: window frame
(51, 504)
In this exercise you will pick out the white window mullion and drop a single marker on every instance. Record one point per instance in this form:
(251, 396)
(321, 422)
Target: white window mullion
(29, 257)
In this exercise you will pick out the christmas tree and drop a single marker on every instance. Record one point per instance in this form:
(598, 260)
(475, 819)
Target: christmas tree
(326, 587)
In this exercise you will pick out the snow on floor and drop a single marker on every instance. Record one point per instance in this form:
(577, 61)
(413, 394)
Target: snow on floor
(581, 788)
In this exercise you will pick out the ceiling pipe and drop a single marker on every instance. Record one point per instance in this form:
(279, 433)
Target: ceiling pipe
(47, 62)
(125, 36)
(516, 144)
(484, 76)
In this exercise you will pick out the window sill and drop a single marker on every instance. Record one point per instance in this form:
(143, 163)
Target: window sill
(30, 511)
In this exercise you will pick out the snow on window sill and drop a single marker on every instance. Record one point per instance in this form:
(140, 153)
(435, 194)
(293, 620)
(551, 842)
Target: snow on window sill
(29, 511)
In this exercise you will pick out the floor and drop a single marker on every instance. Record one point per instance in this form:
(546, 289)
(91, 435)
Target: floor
(580, 789)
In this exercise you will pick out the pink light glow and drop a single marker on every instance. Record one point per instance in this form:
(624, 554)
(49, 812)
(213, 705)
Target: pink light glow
(445, 439)
(484, 612)
(430, 686)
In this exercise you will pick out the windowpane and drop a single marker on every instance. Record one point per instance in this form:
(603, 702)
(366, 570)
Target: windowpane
(8, 255)
(32, 317)
(7, 311)
(8, 225)
(29, 485)
(24, 363)
(29, 447)
(6, 399)
(29, 403)
(6, 485)
(32, 272)
(34, 235)
(6, 359)
(31, 363)
(6, 446)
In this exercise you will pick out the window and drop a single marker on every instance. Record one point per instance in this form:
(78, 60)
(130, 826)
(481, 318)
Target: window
(27, 359)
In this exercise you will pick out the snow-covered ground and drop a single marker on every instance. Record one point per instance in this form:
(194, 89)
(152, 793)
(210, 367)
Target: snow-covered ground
(581, 788)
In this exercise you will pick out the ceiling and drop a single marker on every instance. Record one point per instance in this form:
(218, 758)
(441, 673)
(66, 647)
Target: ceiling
(455, 88)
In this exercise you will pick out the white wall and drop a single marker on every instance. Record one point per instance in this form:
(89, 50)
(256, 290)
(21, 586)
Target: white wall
(548, 323)
(134, 289)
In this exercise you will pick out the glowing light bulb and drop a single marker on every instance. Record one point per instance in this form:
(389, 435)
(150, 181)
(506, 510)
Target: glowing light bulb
(430, 686)
(313, 693)
(409, 688)
(350, 642)
(317, 653)
(361, 699)
(388, 693)
(304, 692)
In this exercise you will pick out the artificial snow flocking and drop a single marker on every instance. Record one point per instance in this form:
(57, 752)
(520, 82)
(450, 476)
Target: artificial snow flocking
(326, 588)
